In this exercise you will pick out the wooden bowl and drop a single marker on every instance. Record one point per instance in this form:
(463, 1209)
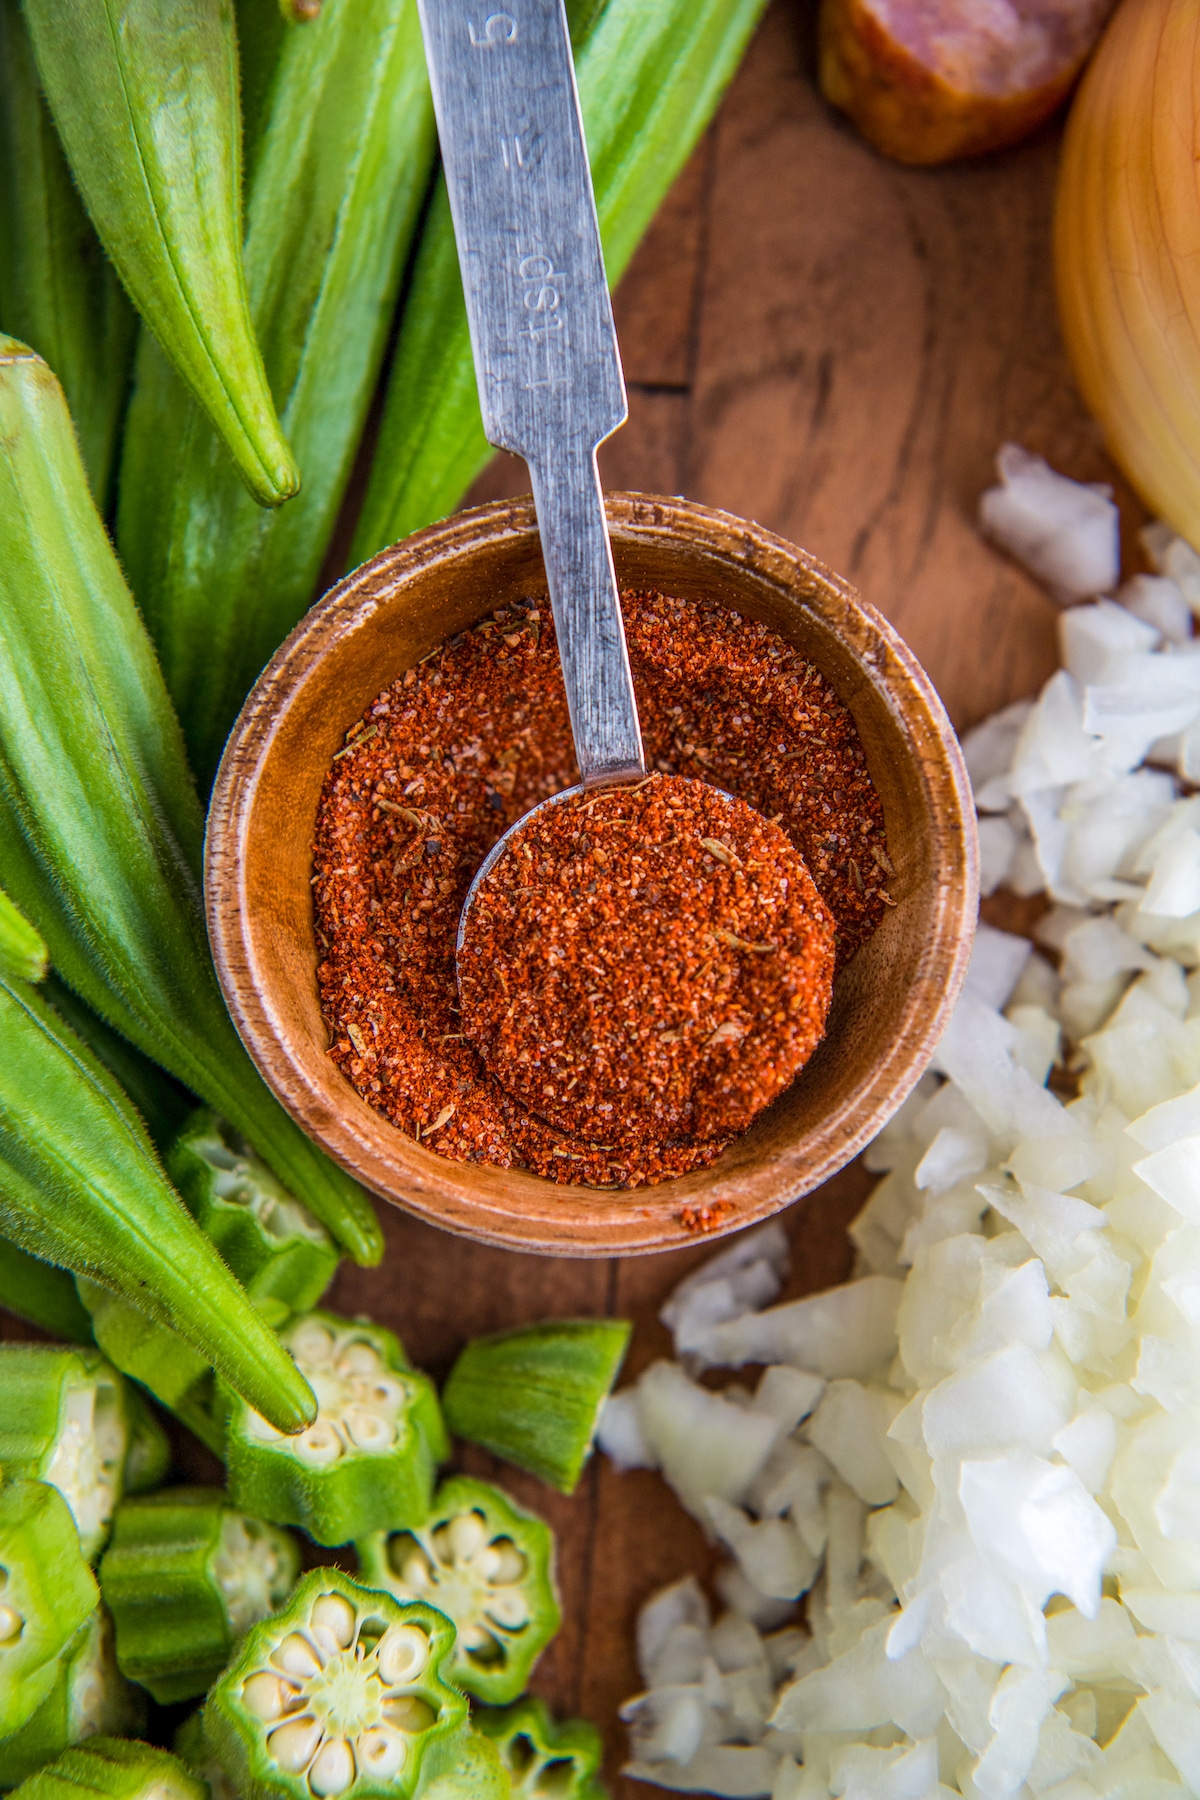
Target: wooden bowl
(890, 1003)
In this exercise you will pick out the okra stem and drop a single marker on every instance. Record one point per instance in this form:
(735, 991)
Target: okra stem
(649, 81)
(100, 826)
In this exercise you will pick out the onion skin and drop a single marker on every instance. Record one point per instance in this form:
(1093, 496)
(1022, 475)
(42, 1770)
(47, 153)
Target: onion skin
(920, 101)
(1127, 251)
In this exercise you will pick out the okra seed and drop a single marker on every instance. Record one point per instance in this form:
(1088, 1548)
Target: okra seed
(266, 1696)
(402, 1654)
(358, 1359)
(509, 1608)
(336, 1616)
(297, 1657)
(292, 1745)
(319, 1446)
(312, 1343)
(366, 1430)
(503, 1563)
(382, 1753)
(333, 1768)
(467, 1536)
(409, 1713)
(416, 1573)
(11, 1625)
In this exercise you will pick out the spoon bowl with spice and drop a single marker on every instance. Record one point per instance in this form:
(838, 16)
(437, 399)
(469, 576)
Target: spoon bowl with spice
(419, 710)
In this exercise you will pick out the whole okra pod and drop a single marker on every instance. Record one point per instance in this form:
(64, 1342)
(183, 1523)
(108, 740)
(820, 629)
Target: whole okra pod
(58, 290)
(23, 955)
(81, 1186)
(100, 825)
(342, 148)
(649, 81)
(145, 98)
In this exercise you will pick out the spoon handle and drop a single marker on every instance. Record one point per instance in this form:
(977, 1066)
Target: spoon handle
(542, 331)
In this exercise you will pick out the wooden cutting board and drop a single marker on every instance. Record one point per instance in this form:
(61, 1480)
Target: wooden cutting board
(835, 346)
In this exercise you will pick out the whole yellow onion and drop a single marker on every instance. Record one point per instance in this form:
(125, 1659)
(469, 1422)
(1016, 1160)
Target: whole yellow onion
(1127, 250)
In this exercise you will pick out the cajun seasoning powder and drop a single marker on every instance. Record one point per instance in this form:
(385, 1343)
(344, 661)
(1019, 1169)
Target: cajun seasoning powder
(463, 745)
(647, 964)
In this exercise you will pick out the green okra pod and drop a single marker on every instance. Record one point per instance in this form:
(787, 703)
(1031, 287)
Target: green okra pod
(58, 290)
(89, 1696)
(272, 1243)
(145, 99)
(163, 1361)
(112, 1768)
(63, 1420)
(476, 1773)
(80, 1185)
(47, 1592)
(46, 1296)
(186, 1574)
(192, 1747)
(367, 1461)
(342, 1695)
(649, 79)
(160, 1100)
(343, 145)
(489, 1566)
(544, 1757)
(533, 1396)
(23, 955)
(100, 825)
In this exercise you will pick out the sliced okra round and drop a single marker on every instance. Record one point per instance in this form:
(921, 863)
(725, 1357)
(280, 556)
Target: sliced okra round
(533, 1396)
(341, 1695)
(47, 1592)
(368, 1459)
(148, 1458)
(489, 1567)
(186, 1574)
(546, 1759)
(113, 1768)
(63, 1420)
(273, 1244)
(90, 1696)
(192, 1747)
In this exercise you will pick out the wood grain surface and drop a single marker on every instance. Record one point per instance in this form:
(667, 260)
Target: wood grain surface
(834, 346)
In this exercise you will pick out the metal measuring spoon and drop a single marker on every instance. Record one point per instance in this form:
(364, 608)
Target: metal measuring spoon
(542, 333)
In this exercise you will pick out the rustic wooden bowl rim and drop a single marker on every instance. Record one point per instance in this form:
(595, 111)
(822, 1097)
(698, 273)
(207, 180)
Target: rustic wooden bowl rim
(757, 1176)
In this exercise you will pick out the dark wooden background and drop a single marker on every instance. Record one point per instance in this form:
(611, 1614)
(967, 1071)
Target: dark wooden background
(835, 346)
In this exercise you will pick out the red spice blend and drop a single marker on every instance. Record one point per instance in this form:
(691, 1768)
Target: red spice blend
(651, 964)
(457, 749)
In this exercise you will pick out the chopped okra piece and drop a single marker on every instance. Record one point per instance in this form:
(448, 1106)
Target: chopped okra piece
(47, 1592)
(342, 1693)
(271, 1242)
(192, 1747)
(534, 1396)
(148, 1458)
(63, 1420)
(545, 1760)
(490, 1568)
(89, 1696)
(477, 1773)
(112, 1768)
(368, 1459)
(184, 1577)
(159, 1358)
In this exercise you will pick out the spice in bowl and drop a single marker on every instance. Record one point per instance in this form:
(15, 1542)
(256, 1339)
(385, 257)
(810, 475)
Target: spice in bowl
(651, 963)
(458, 749)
